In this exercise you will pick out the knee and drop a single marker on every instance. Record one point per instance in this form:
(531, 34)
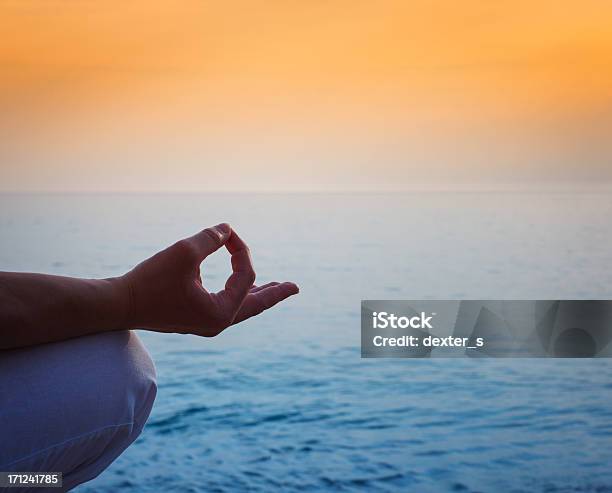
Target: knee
(126, 379)
(99, 391)
(126, 392)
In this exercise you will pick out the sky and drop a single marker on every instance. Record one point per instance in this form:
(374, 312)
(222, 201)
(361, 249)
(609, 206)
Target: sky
(189, 95)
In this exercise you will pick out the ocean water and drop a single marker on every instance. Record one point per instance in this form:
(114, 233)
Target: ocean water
(284, 402)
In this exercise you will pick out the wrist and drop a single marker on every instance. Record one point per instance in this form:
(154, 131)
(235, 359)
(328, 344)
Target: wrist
(122, 300)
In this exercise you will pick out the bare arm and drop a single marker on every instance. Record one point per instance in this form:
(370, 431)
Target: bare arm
(164, 293)
(38, 308)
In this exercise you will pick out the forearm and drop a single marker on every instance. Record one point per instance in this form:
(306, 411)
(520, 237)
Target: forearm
(38, 308)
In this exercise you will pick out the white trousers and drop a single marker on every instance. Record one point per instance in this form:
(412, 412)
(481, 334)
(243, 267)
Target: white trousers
(73, 406)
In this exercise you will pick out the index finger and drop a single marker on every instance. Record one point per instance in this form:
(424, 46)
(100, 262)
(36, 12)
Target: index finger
(243, 274)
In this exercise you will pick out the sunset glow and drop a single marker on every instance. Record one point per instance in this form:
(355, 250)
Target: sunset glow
(191, 95)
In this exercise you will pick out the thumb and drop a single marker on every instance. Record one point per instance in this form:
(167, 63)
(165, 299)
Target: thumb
(211, 239)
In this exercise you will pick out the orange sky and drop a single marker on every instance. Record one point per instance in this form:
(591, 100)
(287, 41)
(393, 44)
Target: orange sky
(193, 95)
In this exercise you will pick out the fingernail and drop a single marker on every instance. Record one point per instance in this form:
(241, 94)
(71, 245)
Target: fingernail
(224, 228)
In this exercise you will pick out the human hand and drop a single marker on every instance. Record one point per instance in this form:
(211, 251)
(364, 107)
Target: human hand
(167, 295)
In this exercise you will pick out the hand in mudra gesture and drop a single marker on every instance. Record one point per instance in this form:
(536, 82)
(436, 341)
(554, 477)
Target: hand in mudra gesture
(166, 292)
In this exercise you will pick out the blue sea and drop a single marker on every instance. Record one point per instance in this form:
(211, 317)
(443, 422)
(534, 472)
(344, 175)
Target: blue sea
(285, 403)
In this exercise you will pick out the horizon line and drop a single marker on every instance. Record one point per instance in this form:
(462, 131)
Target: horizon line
(582, 186)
